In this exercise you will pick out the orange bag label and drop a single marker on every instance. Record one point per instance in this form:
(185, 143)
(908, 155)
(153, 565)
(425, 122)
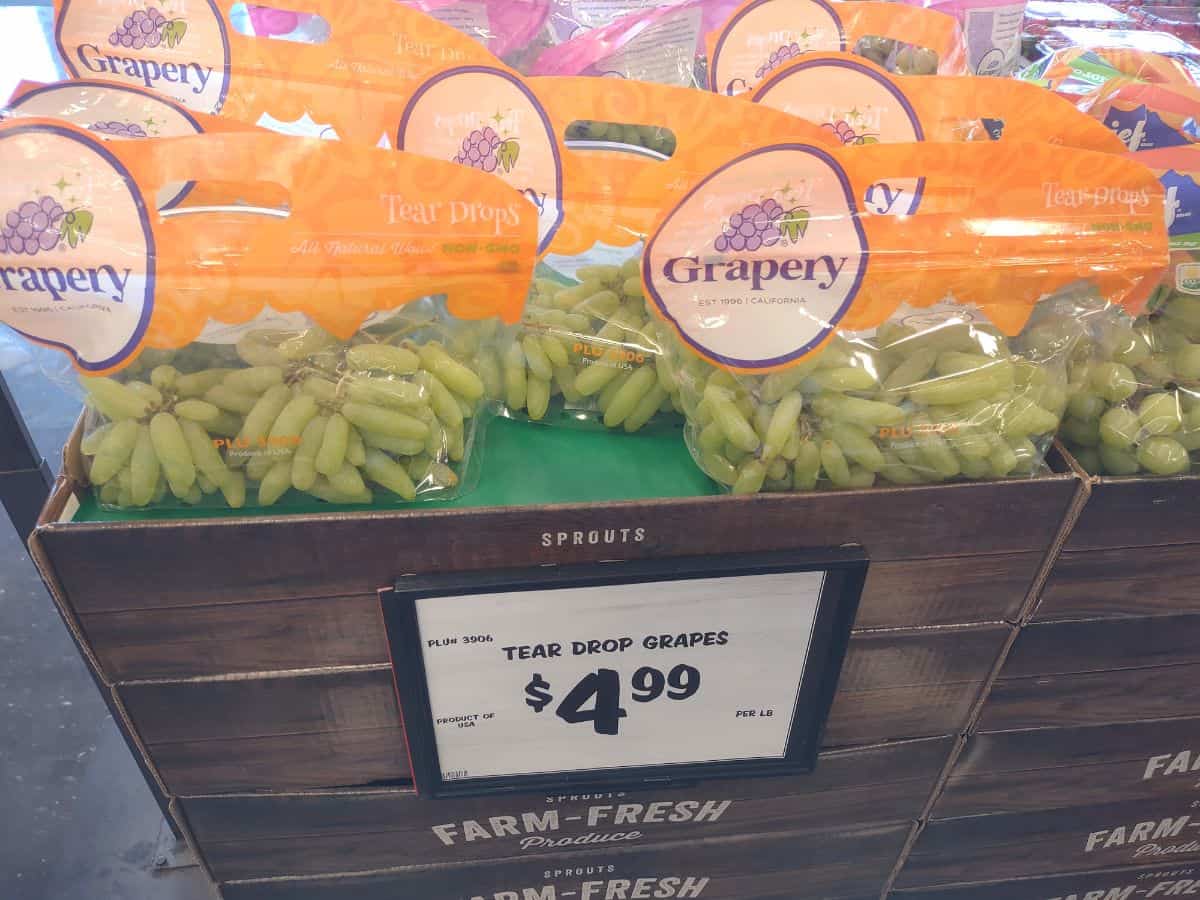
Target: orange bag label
(93, 267)
(762, 35)
(772, 252)
(614, 196)
(860, 103)
(351, 84)
(488, 119)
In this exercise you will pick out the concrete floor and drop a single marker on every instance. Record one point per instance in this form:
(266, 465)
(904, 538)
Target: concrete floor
(76, 819)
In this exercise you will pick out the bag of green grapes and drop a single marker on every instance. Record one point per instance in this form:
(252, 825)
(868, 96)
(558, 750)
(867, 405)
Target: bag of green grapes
(1135, 383)
(814, 344)
(314, 345)
(587, 334)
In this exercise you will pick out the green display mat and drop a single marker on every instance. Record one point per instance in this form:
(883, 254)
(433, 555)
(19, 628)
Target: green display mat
(520, 464)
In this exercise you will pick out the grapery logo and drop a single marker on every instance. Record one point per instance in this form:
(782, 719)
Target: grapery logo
(68, 278)
(485, 150)
(184, 57)
(770, 286)
(148, 28)
(488, 119)
(761, 225)
(38, 226)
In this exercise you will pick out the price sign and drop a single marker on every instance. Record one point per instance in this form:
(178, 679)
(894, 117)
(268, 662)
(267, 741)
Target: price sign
(620, 673)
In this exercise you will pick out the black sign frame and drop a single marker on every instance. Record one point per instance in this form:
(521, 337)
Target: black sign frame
(845, 574)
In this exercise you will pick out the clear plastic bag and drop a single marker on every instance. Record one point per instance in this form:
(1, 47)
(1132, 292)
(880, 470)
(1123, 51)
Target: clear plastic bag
(390, 412)
(931, 396)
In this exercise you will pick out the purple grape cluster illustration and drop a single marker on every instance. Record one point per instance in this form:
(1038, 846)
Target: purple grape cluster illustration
(119, 129)
(762, 224)
(148, 28)
(39, 225)
(484, 149)
(778, 58)
(847, 135)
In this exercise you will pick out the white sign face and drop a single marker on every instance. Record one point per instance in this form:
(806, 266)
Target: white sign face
(617, 676)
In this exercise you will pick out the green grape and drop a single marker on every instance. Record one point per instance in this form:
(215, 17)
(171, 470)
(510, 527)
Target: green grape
(233, 489)
(382, 358)
(389, 474)
(1002, 460)
(346, 480)
(456, 447)
(605, 398)
(275, 483)
(564, 381)
(453, 374)
(259, 420)
(91, 442)
(1119, 427)
(323, 490)
(147, 392)
(733, 424)
(555, 351)
(719, 468)
(782, 425)
(1115, 460)
(857, 410)
(897, 472)
(806, 468)
(1081, 432)
(833, 463)
(1088, 459)
(254, 380)
(949, 390)
(1085, 405)
(163, 378)
(143, 468)
(1183, 311)
(335, 441)
(1113, 381)
(750, 477)
(304, 461)
(537, 397)
(843, 378)
(197, 384)
(197, 411)
(631, 392)
(207, 487)
(1163, 456)
(173, 453)
(912, 369)
(203, 452)
(1024, 417)
(516, 384)
(933, 449)
(1186, 362)
(445, 407)
(225, 398)
(1160, 413)
(856, 445)
(284, 435)
(116, 400)
(373, 391)
(488, 365)
(860, 478)
(710, 437)
(384, 421)
(225, 425)
(356, 448)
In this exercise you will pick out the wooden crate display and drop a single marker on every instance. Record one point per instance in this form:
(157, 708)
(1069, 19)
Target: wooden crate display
(1025, 771)
(340, 727)
(1109, 884)
(1164, 832)
(265, 835)
(832, 865)
(1098, 672)
(1133, 552)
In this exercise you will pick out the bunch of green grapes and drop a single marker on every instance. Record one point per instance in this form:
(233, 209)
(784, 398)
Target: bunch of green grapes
(898, 56)
(1135, 392)
(592, 344)
(906, 406)
(301, 412)
(651, 137)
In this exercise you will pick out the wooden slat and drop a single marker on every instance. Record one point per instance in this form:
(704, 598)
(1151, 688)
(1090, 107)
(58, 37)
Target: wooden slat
(1095, 583)
(220, 735)
(284, 762)
(832, 865)
(1015, 771)
(1100, 645)
(1109, 884)
(1092, 698)
(1138, 512)
(228, 638)
(305, 834)
(346, 554)
(849, 789)
(993, 848)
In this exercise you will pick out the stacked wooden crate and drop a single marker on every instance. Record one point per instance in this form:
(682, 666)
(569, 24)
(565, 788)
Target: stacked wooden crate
(249, 657)
(1081, 776)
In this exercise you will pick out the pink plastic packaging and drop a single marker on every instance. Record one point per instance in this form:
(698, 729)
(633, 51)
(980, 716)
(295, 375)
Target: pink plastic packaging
(992, 29)
(662, 43)
(506, 27)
